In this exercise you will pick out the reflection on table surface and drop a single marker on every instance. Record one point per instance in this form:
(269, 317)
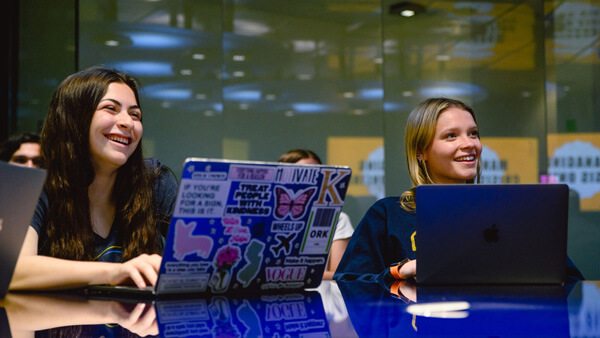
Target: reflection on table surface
(345, 309)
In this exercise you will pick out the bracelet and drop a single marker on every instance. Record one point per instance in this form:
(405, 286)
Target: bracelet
(395, 268)
(396, 293)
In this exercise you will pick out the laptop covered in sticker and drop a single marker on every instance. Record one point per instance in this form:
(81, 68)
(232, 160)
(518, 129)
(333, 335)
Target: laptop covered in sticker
(242, 226)
(491, 233)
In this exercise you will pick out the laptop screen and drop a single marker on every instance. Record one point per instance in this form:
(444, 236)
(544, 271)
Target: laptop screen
(491, 233)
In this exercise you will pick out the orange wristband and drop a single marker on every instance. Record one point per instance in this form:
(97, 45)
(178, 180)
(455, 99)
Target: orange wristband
(395, 269)
(395, 291)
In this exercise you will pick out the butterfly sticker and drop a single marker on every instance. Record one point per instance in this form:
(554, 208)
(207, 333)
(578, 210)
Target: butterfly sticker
(287, 202)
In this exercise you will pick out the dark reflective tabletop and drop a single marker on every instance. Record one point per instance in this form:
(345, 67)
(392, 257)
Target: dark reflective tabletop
(345, 309)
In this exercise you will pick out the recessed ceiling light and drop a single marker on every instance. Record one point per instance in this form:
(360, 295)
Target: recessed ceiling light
(407, 13)
(406, 9)
(304, 77)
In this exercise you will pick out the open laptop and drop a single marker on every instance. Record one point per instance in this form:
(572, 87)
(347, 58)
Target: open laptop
(20, 189)
(492, 234)
(248, 226)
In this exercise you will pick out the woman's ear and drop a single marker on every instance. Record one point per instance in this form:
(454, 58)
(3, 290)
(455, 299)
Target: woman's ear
(421, 157)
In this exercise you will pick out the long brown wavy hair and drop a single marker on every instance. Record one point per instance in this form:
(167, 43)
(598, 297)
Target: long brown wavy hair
(420, 130)
(66, 153)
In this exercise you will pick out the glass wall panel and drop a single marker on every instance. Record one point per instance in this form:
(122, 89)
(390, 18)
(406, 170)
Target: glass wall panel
(250, 79)
(46, 57)
(487, 54)
(573, 70)
(305, 75)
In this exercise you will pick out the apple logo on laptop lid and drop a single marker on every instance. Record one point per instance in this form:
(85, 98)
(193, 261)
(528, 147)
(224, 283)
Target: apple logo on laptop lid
(491, 234)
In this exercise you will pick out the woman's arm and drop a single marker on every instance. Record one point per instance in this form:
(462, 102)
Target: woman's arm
(381, 238)
(34, 311)
(335, 255)
(35, 272)
(365, 256)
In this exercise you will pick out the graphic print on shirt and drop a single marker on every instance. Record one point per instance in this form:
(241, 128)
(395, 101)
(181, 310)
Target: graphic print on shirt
(111, 250)
(185, 243)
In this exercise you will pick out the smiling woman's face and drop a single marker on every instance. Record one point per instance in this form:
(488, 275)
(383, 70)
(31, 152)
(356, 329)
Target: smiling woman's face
(454, 152)
(116, 128)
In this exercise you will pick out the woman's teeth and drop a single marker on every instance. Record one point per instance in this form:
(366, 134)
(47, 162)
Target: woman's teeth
(465, 158)
(123, 140)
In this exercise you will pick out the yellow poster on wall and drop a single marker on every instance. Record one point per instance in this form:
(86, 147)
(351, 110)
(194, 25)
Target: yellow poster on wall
(365, 156)
(574, 159)
(509, 160)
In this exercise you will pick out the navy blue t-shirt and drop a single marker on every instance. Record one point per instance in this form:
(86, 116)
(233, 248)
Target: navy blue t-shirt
(109, 249)
(384, 236)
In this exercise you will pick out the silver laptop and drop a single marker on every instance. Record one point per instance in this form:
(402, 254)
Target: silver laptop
(20, 190)
(492, 234)
(241, 226)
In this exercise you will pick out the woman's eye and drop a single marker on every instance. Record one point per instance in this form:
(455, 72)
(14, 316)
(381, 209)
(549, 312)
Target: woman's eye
(450, 135)
(19, 159)
(475, 133)
(136, 115)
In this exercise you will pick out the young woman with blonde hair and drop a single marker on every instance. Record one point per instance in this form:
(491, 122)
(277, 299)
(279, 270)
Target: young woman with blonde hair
(442, 147)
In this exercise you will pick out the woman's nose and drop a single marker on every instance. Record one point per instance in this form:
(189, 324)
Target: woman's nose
(125, 120)
(467, 142)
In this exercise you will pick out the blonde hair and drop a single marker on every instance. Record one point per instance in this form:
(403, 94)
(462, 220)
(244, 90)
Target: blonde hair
(420, 130)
